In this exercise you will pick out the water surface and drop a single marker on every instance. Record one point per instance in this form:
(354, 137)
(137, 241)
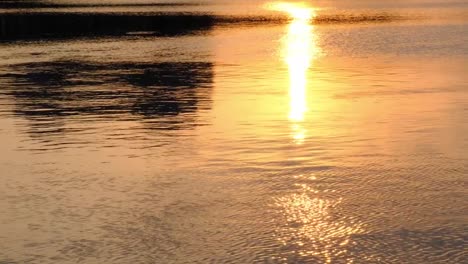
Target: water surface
(231, 136)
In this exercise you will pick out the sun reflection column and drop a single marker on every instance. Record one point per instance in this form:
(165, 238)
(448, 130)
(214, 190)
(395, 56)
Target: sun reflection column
(299, 51)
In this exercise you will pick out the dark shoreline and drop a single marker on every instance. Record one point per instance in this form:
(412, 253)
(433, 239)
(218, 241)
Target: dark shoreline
(57, 25)
(45, 25)
(38, 4)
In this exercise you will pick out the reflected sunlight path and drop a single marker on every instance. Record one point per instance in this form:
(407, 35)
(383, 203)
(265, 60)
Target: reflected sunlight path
(299, 51)
(313, 229)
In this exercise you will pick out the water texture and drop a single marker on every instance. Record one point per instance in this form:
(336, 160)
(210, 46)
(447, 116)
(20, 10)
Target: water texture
(233, 132)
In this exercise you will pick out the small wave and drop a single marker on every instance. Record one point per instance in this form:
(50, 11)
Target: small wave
(319, 19)
(358, 18)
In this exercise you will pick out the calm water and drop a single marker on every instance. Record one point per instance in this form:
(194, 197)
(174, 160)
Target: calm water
(233, 132)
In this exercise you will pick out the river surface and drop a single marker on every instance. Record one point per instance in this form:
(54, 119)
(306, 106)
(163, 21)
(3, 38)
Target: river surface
(233, 132)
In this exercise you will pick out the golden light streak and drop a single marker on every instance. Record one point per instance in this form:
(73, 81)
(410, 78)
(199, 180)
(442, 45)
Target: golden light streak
(298, 58)
(299, 51)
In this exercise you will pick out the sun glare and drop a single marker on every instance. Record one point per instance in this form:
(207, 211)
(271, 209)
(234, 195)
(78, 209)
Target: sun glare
(297, 11)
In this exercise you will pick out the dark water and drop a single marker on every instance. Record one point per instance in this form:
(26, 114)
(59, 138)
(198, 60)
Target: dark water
(228, 132)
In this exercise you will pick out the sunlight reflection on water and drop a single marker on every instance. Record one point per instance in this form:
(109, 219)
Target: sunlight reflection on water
(300, 49)
(312, 226)
(341, 140)
(299, 52)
